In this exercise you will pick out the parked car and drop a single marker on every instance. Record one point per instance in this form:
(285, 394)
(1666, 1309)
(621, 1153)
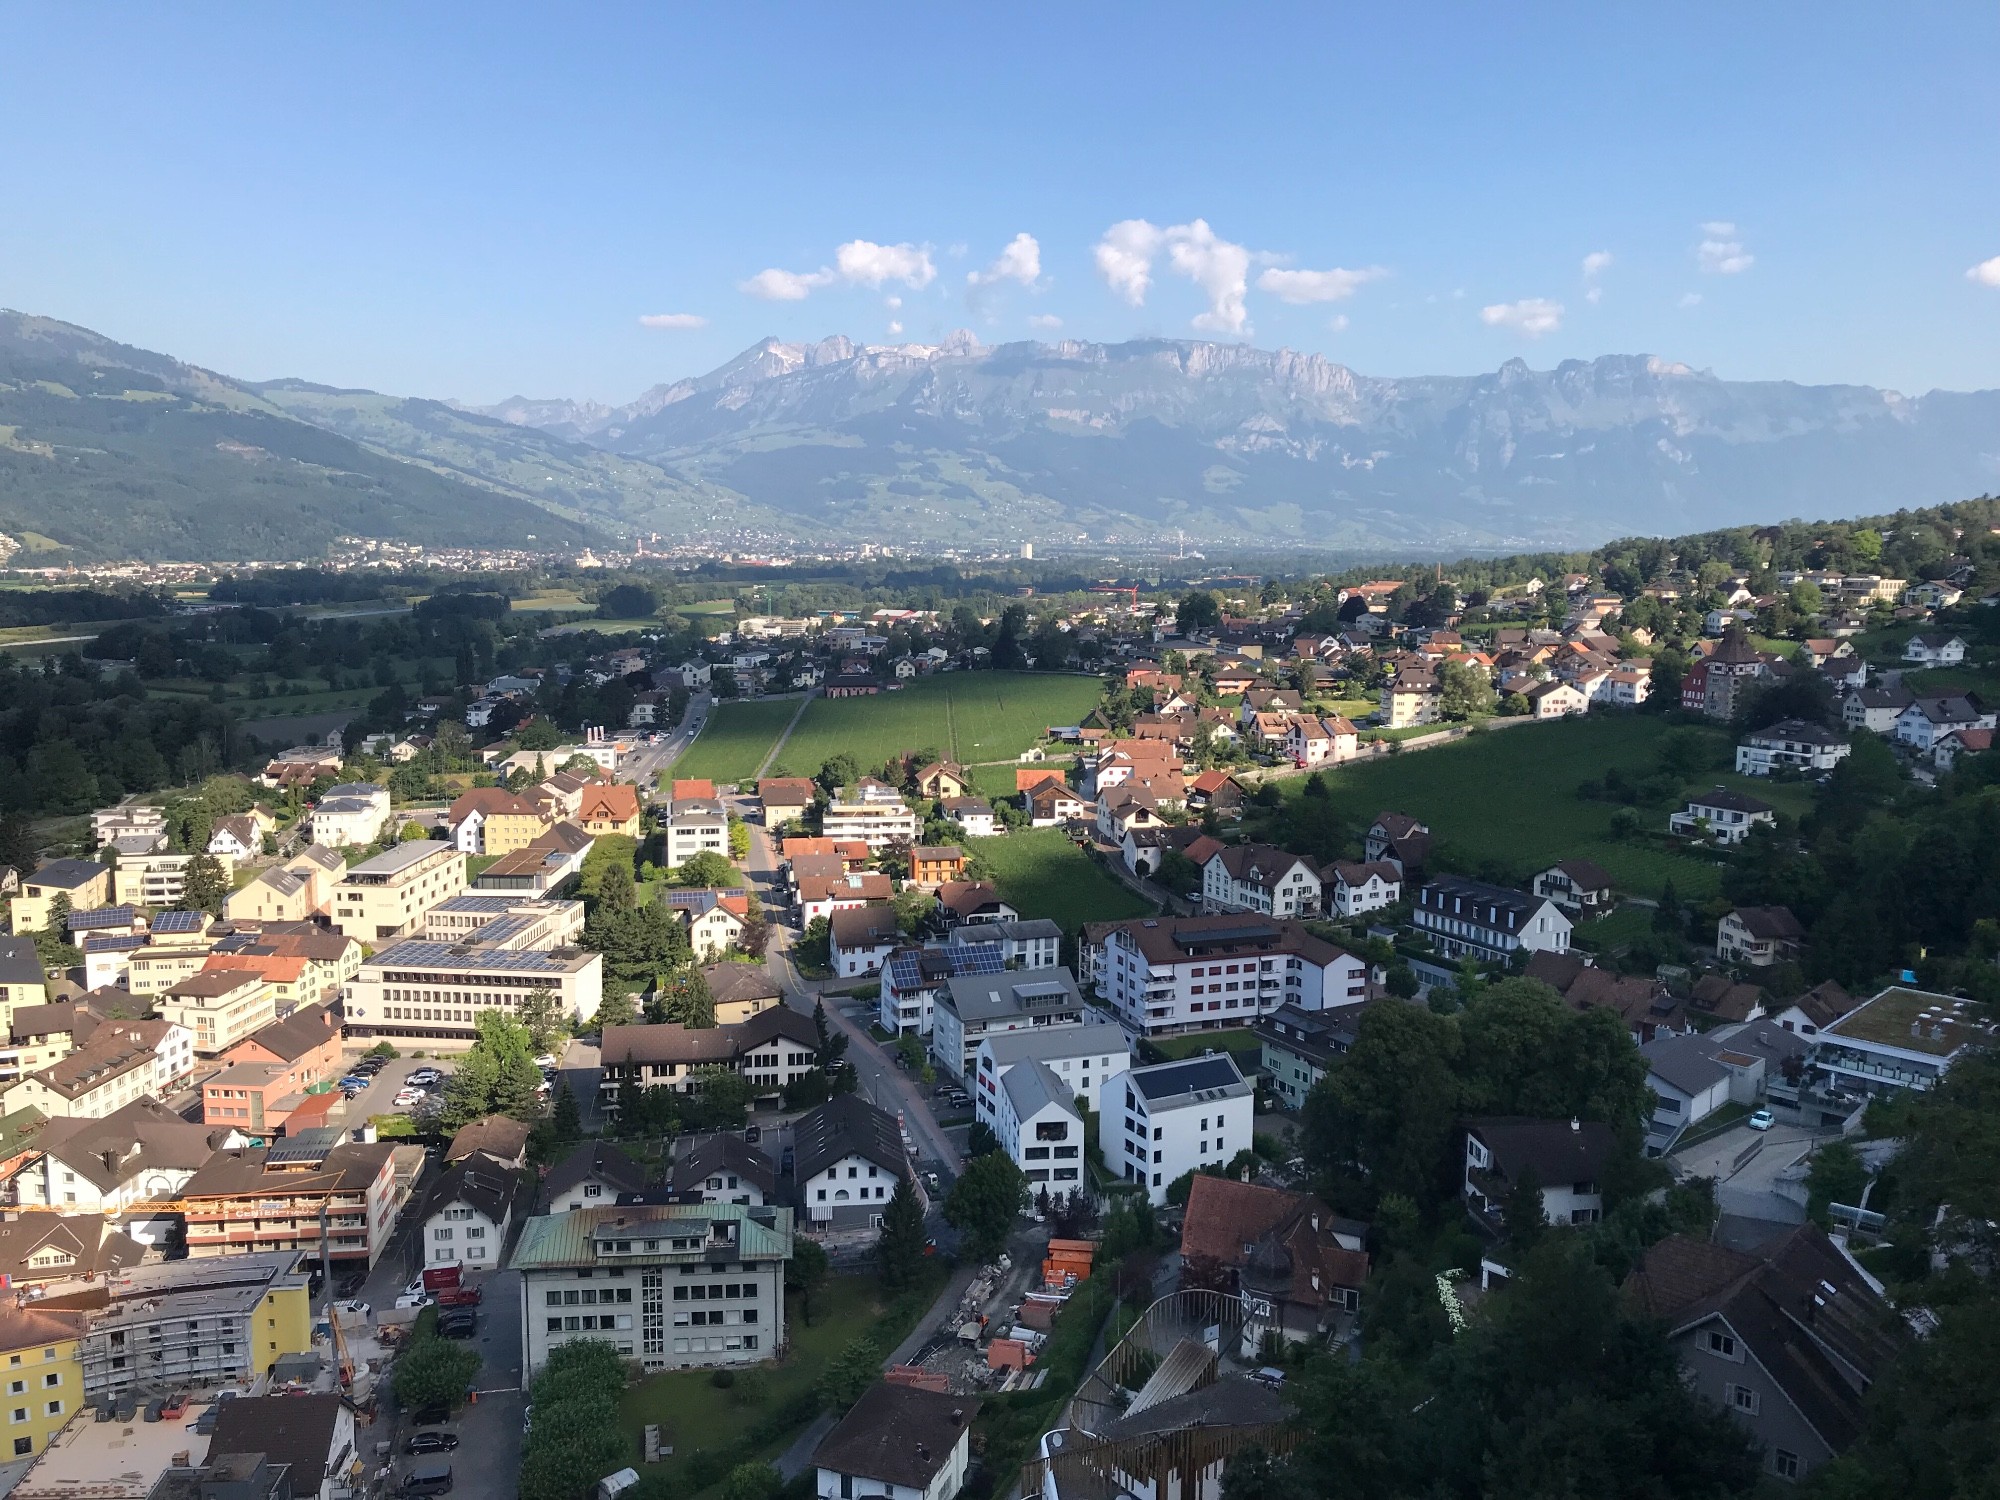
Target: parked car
(359, 1309)
(413, 1299)
(546, 1061)
(431, 1416)
(431, 1442)
(1763, 1119)
(424, 1075)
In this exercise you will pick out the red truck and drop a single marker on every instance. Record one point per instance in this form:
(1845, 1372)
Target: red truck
(459, 1296)
(437, 1278)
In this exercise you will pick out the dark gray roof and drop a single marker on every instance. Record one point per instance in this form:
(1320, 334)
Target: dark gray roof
(66, 874)
(1017, 992)
(19, 963)
(897, 1434)
(846, 1125)
(1484, 905)
(1728, 801)
(724, 1151)
(1188, 1081)
(294, 1430)
(1685, 1062)
(1557, 1150)
(489, 1184)
(599, 1160)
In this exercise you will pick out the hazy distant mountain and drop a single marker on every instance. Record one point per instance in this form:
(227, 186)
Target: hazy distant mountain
(1023, 440)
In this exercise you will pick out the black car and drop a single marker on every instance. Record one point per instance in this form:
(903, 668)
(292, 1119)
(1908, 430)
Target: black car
(431, 1442)
(458, 1328)
(432, 1416)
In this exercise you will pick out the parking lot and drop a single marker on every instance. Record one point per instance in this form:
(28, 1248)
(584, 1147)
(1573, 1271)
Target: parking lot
(379, 1097)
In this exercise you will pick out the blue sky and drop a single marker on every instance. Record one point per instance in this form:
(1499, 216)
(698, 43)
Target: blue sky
(486, 200)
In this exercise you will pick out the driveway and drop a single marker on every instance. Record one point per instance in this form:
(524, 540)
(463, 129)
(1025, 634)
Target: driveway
(1746, 1165)
(488, 1458)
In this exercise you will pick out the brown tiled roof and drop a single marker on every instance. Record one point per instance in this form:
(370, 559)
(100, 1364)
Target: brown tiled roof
(296, 1035)
(727, 982)
(1826, 1003)
(967, 897)
(863, 926)
(1769, 923)
(1719, 996)
(1156, 937)
(1231, 1221)
(496, 1135)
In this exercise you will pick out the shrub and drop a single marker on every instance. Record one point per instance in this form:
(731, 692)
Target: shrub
(722, 1380)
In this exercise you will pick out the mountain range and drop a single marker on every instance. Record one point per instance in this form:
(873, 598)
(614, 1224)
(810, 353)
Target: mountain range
(106, 450)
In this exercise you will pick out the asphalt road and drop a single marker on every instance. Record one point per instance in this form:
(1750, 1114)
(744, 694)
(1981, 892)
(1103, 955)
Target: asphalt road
(647, 761)
(1749, 1191)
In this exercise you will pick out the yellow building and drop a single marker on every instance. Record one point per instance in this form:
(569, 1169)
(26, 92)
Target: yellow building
(383, 897)
(156, 969)
(609, 808)
(218, 1007)
(296, 891)
(44, 1376)
(282, 1323)
(23, 981)
(493, 820)
(86, 884)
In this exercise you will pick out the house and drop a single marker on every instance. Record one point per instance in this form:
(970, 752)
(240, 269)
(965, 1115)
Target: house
(1577, 886)
(83, 883)
(973, 814)
(36, 1249)
(1410, 700)
(1399, 839)
(1156, 1123)
(1313, 741)
(1471, 918)
(1900, 1039)
(873, 812)
(610, 808)
(1791, 744)
(1717, 997)
(1815, 1010)
(1051, 804)
(1034, 1116)
(1935, 650)
(1564, 1159)
(140, 1151)
(1555, 699)
(1947, 748)
(49, 1341)
(1927, 720)
(1021, 943)
(261, 1198)
(1645, 1005)
(1876, 709)
(241, 835)
(972, 902)
(721, 1167)
(1354, 888)
(703, 1284)
(1078, 1058)
(860, 939)
(1217, 790)
(934, 864)
(312, 1434)
(1166, 975)
(299, 890)
(1260, 878)
(1787, 1339)
(493, 820)
(741, 991)
(499, 1136)
(353, 813)
(1298, 1266)
(772, 1049)
(1298, 1045)
(1723, 816)
(847, 1157)
(302, 767)
(973, 1006)
(717, 919)
(941, 779)
(1758, 936)
(1688, 1085)
(306, 1043)
(821, 892)
(897, 1441)
(594, 1175)
(785, 799)
(694, 825)
(466, 1216)
(122, 1061)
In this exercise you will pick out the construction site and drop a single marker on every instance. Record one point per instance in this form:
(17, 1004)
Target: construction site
(990, 1342)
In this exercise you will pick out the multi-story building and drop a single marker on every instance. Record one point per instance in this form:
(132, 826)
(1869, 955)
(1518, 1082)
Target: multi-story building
(1354, 888)
(353, 813)
(158, 879)
(1411, 700)
(386, 896)
(1791, 744)
(1163, 975)
(424, 991)
(1469, 917)
(1901, 1039)
(771, 1049)
(873, 812)
(219, 1007)
(122, 1061)
(609, 807)
(694, 825)
(141, 1152)
(1260, 878)
(493, 820)
(44, 1374)
(197, 1322)
(23, 980)
(972, 1007)
(1155, 1123)
(1298, 1046)
(298, 890)
(271, 1198)
(1039, 1127)
(84, 883)
(847, 1157)
(897, 1440)
(503, 921)
(671, 1285)
(467, 1215)
(1079, 1057)
(1723, 816)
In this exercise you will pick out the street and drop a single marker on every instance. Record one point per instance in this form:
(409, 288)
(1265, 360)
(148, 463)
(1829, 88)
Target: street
(1750, 1190)
(647, 761)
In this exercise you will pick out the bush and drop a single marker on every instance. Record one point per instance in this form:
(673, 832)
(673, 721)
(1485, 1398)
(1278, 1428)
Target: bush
(722, 1380)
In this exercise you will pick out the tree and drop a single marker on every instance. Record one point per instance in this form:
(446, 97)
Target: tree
(497, 1075)
(567, 1116)
(1525, 1215)
(616, 1009)
(540, 1011)
(615, 891)
(980, 1140)
(1837, 1175)
(434, 1371)
(1199, 610)
(831, 1045)
(1464, 692)
(752, 1481)
(207, 887)
(813, 951)
(706, 871)
(984, 1203)
(718, 1101)
(852, 1371)
(739, 838)
(900, 1251)
(806, 1273)
(684, 996)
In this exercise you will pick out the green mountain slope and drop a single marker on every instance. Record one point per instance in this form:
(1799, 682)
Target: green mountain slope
(112, 451)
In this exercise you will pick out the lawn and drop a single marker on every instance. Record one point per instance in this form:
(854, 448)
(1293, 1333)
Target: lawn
(964, 716)
(735, 740)
(1508, 798)
(1239, 1042)
(1042, 874)
(694, 1414)
(996, 782)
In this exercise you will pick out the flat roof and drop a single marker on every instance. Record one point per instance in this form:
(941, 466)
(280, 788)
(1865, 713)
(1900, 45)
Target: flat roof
(1943, 1024)
(418, 953)
(92, 1460)
(402, 857)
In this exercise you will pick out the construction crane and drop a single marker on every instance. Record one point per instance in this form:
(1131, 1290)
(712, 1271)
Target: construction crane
(1119, 588)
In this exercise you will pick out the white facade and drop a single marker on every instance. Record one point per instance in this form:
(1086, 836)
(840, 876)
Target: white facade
(1155, 1123)
(695, 825)
(1038, 1126)
(1469, 917)
(351, 814)
(1724, 824)
(458, 1234)
(1081, 1058)
(853, 1189)
(1158, 984)
(1799, 747)
(1257, 880)
(1357, 890)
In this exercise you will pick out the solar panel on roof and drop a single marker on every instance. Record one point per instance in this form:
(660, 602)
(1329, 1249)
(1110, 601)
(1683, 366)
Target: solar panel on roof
(180, 921)
(1241, 934)
(457, 956)
(101, 916)
(1186, 1077)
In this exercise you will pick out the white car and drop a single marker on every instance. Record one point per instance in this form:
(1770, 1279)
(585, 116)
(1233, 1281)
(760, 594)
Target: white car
(413, 1299)
(424, 1075)
(546, 1061)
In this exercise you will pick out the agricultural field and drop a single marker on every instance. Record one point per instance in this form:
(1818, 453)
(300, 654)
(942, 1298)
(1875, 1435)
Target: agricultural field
(1508, 798)
(735, 740)
(1040, 873)
(964, 716)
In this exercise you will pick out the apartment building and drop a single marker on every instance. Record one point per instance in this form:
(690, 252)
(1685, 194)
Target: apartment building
(23, 981)
(44, 1375)
(259, 1198)
(158, 879)
(140, 1152)
(873, 812)
(218, 1007)
(503, 921)
(493, 820)
(1155, 1123)
(121, 1062)
(1079, 1057)
(1260, 878)
(672, 1285)
(197, 1322)
(695, 825)
(84, 883)
(972, 1007)
(1164, 975)
(1469, 917)
(423, 991)
(352, 814)
(771, 1049)
(296, 891)
(388, 895)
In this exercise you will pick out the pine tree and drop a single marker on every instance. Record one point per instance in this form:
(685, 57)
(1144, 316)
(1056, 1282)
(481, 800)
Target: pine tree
(568, 1117)
(900, 1251)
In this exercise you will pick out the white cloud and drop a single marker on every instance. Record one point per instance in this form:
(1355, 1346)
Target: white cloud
(673, 320)
(895, 327)
(1986, 273)
(1301, 287)
(865, 263)
(1690, 299)
(775, 285)
(1125, 258)
(1720, 252)
(892, 303)
(1594, 296)
(1219, 268)
(1338, 322)
(1531, 316)
(1021, 261)
(1596, 263)
(1044, 320)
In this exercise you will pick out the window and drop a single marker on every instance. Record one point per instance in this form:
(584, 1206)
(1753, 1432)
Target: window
(1785, 1464)
(1721, 1343)
(52, 1379)
(23, 1445)
(20, 1414)
(1743, 1399)
(18, 1388)
(55, 1408)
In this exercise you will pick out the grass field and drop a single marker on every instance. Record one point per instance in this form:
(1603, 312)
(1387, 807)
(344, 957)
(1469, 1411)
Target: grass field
(735, 740)
(997, 781)
(1509, 797)
(1042, 874)
(964, 716)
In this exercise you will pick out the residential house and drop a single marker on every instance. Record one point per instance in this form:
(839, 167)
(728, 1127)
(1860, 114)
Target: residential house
(1717, 997)
(1790, 744)
(694, 825)
(306, 1042)
(1565, 1159)
(492, 820)
(1948, 748)
(973, 814)
(741, 991)
(703, 1284)
(1471, 918)
(972, 903)
(772, 1049)
(941, 779)
(1298, 1045)
(1217, 790)
(1815, 1010)
(298, 890)
(1556, 699)
(973, 1006)
(353, 813)
(1876, 709)
(1165, 975)
(269, 1198)
(785, 799)
(1157, 1122)
(1577, 886)
(1722, 816)
(1787, 1339)
(722, 1168)
(1033, 1113)
(1353, 888)
(1409, 700)
(1051, 804)
(122, 1061)
(897, 1441)
(1759, 936)
(1260, 878)
(873, 812)
(934, 864)
(1078, 1059)
(48, 1343)
(466, 1217)
(139, 1152)
(1399, 839)
(239, 836)
(594, 1175)
(860, 939)
(823, 891)
(610, 808)
(847, 1157)
(1928, 720)
(717, 919)
(1298, 1266)
(310, 1433)
(1313, 741)
(40, 1248)
(1900, 1039)
(501, 1137)
(1646, 1006)
(85, 884)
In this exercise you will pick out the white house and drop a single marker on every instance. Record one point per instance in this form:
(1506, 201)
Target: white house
(694, 825)
(140, 1151)
(973, 814)
(592, 1176)
(1928, 720)
(1566, 1159)
(1557, 700)
(971, 1007)
(722, 1167)
(1155, 1123)
(861, 938)
(1260, 878)
(1688, 1086)
(1469, 917)
(1035, 1117)
(1166, 975)
(897, 1443)
(1363, 887)
(1724, 816)
(847, 1157)
(1080, 1058)
(1577, 885)
(1759, 936)
(349, 814)
(1792, 744)
(467, 1214)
